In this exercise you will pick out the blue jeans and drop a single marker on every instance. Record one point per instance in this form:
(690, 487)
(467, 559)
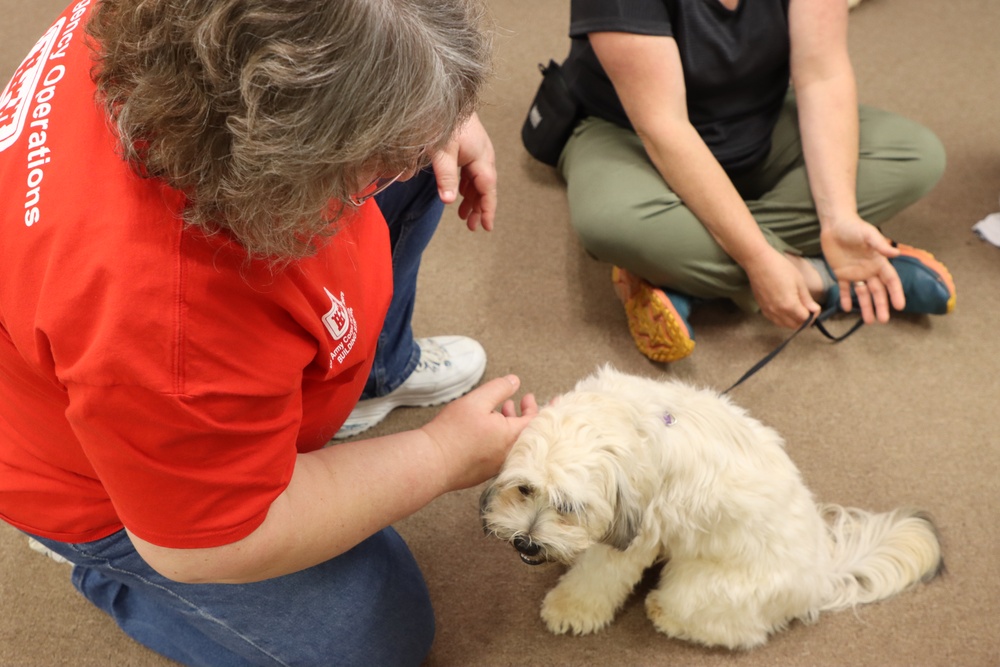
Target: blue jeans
(366, 607)
(412, 210)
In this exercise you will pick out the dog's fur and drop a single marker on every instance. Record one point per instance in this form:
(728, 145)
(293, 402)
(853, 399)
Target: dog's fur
(625, 471)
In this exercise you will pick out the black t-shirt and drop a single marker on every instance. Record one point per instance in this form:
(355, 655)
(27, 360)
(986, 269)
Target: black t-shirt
(736, 66)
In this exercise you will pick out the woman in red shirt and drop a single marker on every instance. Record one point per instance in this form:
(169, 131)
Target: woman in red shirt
(192, 291)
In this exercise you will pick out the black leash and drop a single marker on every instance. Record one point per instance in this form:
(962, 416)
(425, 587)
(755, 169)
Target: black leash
(814, 320)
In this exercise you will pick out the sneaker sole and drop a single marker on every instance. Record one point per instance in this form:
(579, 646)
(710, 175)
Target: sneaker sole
(934, 265)
(656, 327)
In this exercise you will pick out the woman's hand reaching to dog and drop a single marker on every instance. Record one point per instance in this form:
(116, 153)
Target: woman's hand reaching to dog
(473, 437)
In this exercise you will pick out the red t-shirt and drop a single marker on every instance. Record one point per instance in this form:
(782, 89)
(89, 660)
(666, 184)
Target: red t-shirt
(149, 376)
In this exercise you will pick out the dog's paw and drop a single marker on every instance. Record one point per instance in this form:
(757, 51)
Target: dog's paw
(662, 620)
(734, 633)
(565, 610)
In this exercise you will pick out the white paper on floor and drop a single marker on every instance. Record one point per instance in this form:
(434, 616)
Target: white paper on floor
(989, 228)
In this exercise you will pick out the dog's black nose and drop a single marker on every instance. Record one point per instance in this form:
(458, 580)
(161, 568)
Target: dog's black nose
(526, 547)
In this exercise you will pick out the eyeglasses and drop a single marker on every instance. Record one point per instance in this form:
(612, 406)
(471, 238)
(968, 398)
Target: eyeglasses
(375, 187)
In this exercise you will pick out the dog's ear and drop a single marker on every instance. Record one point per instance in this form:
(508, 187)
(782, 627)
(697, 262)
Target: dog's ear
(626, 519)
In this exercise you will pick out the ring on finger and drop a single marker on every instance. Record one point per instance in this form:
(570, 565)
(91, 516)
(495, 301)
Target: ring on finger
(860, 283)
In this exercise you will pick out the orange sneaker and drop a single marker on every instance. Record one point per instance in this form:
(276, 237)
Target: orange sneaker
(657, 319)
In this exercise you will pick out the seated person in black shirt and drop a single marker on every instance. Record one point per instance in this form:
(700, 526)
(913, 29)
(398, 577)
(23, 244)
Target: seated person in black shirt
(723, 154)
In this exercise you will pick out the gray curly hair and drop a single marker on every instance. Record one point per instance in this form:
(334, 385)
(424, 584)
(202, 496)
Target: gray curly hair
(269, 114)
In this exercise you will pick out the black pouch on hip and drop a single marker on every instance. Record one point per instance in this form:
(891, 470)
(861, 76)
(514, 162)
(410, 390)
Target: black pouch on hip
(553, 114)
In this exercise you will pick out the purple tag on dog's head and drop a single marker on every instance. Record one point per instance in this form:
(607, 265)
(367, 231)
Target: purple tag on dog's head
(668, 419)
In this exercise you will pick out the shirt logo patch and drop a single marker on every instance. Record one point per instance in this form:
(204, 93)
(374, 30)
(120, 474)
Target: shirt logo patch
(16, 97)
(343, 328)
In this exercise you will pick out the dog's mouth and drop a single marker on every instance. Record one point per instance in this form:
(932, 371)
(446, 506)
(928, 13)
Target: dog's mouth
(532, 560)
(530, 552)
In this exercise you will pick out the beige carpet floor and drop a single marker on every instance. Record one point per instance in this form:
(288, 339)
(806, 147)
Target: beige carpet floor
(904, 414)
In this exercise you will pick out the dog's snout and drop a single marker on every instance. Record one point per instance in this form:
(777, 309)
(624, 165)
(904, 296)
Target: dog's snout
(526, 547)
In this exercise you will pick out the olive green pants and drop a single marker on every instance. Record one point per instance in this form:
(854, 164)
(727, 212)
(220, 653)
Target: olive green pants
(625, 214)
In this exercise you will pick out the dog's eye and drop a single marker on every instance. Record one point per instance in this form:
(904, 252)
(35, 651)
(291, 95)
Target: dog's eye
(524, 490)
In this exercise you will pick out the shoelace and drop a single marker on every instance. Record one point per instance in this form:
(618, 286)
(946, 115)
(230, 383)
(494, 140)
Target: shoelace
(432, 357)
(816, 320)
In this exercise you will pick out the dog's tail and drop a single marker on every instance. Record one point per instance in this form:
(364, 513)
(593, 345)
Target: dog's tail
(875, 556)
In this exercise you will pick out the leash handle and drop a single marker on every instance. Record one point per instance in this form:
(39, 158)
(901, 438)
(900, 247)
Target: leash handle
(814, 319)
(837, 339)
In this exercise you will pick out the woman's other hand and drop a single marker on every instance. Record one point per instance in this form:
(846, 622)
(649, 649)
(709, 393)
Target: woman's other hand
(466, 166)
(859, 256)
(780, 289)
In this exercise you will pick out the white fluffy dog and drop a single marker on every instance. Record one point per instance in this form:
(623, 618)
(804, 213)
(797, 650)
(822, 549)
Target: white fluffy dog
(625, 471)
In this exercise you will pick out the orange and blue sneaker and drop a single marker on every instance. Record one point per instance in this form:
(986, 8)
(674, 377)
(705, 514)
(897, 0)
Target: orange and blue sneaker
(657, 318)
(927, 284)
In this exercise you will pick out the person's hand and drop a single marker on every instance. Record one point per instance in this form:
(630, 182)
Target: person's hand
(474, 437)
(780, 290)
(467, 166)
(859, 256)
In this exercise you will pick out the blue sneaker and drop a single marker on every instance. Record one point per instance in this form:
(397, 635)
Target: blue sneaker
(657, 319)
(927, 284)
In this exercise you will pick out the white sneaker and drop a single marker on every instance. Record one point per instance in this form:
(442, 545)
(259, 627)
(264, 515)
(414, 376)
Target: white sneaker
(449, 367)
(45, 551)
